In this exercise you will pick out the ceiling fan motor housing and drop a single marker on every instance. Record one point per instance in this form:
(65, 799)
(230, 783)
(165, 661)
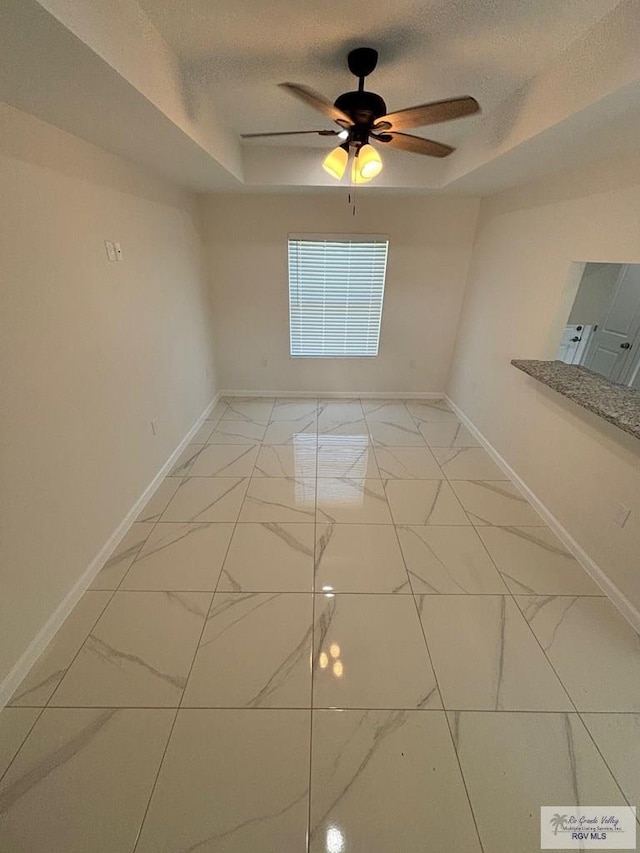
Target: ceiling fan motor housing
(363, 107)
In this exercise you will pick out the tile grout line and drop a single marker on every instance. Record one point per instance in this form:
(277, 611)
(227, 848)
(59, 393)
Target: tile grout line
(446, 714)
(576, 710)
(179, 706)
(155, 782)
(313, 640)
(84, 642)
(104, 706)
(182, 478)
(604, 760)
(41, 711)
(519, 609)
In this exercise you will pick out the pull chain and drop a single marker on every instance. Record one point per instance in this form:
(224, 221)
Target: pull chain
(352, 187)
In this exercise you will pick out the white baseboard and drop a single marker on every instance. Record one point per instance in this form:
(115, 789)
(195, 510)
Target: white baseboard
(617, 597)
(340, 395)
(53, 624)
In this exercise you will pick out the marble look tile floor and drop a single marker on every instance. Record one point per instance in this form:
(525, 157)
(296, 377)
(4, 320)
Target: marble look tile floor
(335, 627)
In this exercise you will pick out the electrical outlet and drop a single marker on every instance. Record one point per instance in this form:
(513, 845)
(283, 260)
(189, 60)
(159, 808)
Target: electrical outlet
(622, 514)
(154, 426)
(111, 250)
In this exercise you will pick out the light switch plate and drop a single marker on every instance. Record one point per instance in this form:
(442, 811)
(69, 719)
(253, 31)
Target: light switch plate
(111, 250)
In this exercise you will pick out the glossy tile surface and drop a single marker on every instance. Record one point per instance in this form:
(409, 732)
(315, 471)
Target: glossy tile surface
(207, 499)
(369, 652)
(617, 736)
(359, 558)
(252, 411)
(269, 557)
(387, 411)
(564, 626)
(346, 428)
(236, 432)
(467, 463)
(297, 459)
(514, 763)
(495, 502)
(431, 411)
(38, 686)
(290, 431)
(232, 781)
(292, 409)
(82, 780)
(15, 725)
(347, 581)
(533, 561)
(269, 636)
(352, 501)
(424, 502)
(447, 434)
(333, 411)
(385, 434)
(486, 658)
(181, 556)
(448, 560)
(116, 567)
(279, 499)
(407, 463)
(346, 456)
(139, 653)
(158, 503)
(387, 780)
(225, 460)
(185, 459)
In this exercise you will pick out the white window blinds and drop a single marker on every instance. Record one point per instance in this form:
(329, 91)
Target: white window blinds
(336, 288)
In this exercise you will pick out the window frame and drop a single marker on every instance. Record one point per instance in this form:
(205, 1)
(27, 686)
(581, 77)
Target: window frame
(336, 238)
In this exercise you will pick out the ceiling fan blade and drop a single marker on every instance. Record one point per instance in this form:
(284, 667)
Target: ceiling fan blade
(290, 133)
(415, 144)
(304, 93)
(432, 113)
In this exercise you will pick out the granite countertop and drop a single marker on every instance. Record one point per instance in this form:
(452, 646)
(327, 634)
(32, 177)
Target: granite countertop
(615, 403)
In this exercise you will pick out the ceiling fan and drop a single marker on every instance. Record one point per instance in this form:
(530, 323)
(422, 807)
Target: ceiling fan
(363, 117)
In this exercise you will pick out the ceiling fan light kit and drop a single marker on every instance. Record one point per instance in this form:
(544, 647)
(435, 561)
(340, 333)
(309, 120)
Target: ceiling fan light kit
(369, 162)
(335, 163)
(363, 116)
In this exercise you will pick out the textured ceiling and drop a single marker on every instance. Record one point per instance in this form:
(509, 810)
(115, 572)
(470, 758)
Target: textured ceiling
(172, 85)
(429, 50)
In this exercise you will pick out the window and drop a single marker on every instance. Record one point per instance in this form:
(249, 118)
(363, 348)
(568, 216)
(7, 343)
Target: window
(336, 288)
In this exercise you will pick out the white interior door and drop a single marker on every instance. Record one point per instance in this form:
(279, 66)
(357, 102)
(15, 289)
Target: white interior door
(613, 342)
(631, 375)
(574, 342)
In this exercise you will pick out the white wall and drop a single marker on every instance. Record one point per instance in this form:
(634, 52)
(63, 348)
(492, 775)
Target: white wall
(429, 250)
(90, 352)
(520, 290)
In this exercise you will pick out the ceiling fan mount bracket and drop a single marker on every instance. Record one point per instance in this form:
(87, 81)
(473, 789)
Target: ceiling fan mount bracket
(362, 61)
